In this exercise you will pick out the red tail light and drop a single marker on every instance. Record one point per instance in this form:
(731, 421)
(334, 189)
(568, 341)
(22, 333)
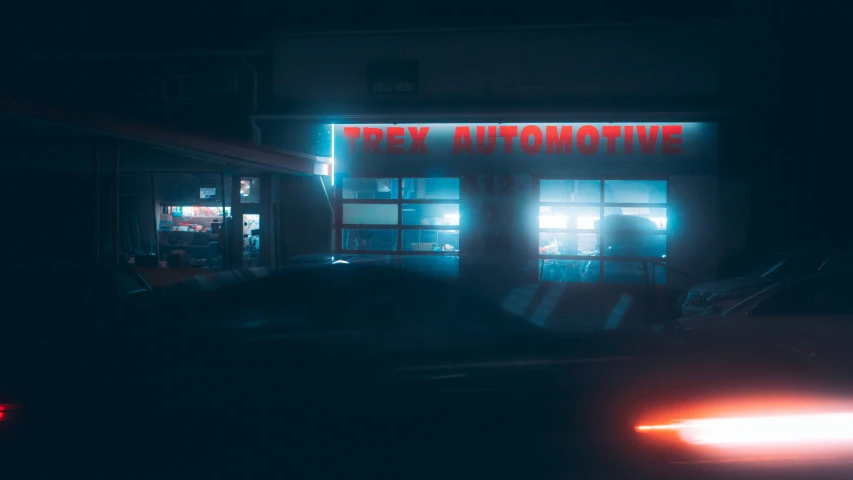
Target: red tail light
(6, 410)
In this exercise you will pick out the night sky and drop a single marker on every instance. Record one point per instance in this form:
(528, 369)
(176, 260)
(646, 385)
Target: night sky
(192, 24)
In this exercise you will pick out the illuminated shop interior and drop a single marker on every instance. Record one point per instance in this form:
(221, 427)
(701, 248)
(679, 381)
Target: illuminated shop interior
(416, 220)
(194, 209)
(611, 231)
(590, 230)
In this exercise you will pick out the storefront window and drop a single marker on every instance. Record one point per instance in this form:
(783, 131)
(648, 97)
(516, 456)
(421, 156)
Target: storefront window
(250, 190)
(437, 214)
(370, 214)
(431, 240)
(415, 219)
(635, 191)
(431, 188)
(569, 270)
(370, 188)
(623, 222)
(369, 239)
(570, 191)
(554, 243)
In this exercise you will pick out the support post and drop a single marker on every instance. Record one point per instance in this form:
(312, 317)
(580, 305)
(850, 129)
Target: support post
(96, 173)
(223, 228)
(155, 217)
(116, 205)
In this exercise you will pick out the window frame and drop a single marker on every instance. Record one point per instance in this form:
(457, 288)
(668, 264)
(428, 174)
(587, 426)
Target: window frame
(399, 227)
(601, 205)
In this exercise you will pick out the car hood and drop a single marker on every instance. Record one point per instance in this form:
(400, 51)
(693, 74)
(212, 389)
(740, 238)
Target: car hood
(731, 287)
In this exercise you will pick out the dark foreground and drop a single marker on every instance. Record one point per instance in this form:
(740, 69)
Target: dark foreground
(204, 408)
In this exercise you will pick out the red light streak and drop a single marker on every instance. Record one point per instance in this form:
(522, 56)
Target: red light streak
(792, 429)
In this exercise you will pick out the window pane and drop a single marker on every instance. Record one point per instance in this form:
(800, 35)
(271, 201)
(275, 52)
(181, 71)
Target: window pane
(569, 271)
(442, 214)
(431, 240)
(633, 273)
(567, 243)
(250, 190)
(620, 219)
(369, 188)
(570, 191)
(440, 266)
(369, 214)
(431, 188)
(634, 245)
(368, 239)
(635, 191)
(569, 217)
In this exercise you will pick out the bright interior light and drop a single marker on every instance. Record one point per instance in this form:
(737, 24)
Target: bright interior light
(808, 429)
(452, 216)
(553, 221)
(587, 223)
(659, 221)
(332, 164)
(193, 211)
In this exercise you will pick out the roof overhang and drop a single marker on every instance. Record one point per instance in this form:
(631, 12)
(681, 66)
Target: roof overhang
(142, 54)
(228, 153)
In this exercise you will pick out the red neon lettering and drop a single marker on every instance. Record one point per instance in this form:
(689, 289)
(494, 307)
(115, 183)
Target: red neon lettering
(507, 133)
(647, 139)
(528, 132)
(555, 143)
(352, 134)
(671, 139)
(486, 143)
(462, 141)
(591, 147)
(372, 139)
(418, 140)
(629, 139)
(611, 133)
(394, 140)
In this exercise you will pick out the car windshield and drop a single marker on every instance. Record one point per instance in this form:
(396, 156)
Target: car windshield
(776, 267)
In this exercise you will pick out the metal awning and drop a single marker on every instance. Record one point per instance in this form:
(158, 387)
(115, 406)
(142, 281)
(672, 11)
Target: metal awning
(237, 154)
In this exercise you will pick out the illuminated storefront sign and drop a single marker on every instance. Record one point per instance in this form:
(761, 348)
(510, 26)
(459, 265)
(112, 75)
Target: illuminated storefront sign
(592, 139)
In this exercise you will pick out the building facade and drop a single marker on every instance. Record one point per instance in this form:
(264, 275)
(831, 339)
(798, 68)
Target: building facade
(545, 133)
(204, 92)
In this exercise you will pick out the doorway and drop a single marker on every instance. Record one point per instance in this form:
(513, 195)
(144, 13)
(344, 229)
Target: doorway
(251, 239)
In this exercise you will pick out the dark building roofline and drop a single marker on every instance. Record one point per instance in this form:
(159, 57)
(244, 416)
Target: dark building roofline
(523, 28)
(578, 110)
(144, 54)
(190, 145)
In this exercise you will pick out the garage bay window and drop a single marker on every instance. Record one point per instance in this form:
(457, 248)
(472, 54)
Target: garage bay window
(414, 219)
(610, 231)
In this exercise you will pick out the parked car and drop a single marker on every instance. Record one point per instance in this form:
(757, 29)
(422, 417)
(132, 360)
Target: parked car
(64, 331)
(811, 317)
(64, 302)
(386, 370)
(716, 296)
(628, 236)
